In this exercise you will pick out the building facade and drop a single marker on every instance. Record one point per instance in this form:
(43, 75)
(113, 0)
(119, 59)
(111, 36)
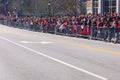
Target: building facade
(101, 6)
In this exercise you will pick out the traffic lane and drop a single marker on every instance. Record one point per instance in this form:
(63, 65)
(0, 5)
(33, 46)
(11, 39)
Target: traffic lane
(103, 62)
(85, 65)
(100, 63)
(20, 64)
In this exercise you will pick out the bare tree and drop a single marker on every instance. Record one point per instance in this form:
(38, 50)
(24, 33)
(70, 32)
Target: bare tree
(37, 7)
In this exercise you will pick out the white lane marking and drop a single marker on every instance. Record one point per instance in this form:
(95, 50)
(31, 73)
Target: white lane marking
(30, 42)
(46, 42)
(56, 60)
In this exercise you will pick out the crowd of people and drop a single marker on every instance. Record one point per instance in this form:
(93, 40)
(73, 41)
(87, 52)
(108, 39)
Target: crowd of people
(104, 27)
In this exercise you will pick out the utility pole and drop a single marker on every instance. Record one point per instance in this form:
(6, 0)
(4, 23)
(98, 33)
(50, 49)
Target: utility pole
(49, 8)
(22, 7)
(75, 8)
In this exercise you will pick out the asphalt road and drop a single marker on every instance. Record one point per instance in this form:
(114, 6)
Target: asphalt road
(27, 55)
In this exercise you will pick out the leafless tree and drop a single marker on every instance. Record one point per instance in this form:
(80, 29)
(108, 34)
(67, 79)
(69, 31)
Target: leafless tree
(37, 7)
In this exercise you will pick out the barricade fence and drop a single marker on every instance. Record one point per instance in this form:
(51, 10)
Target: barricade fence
(86, 31)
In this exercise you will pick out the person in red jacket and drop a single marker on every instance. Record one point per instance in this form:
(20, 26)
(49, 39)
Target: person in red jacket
(75, 29)
(40, 21)
(66, 29)
(116, 31)
(45, 24)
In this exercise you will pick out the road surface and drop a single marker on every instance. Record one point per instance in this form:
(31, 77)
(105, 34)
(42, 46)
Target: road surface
(27, 55)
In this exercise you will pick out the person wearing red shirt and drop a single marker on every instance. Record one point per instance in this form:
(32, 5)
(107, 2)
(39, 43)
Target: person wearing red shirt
(66, 29)
(40, 21)
(75, 29)
(45, 24)
(116, 31)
